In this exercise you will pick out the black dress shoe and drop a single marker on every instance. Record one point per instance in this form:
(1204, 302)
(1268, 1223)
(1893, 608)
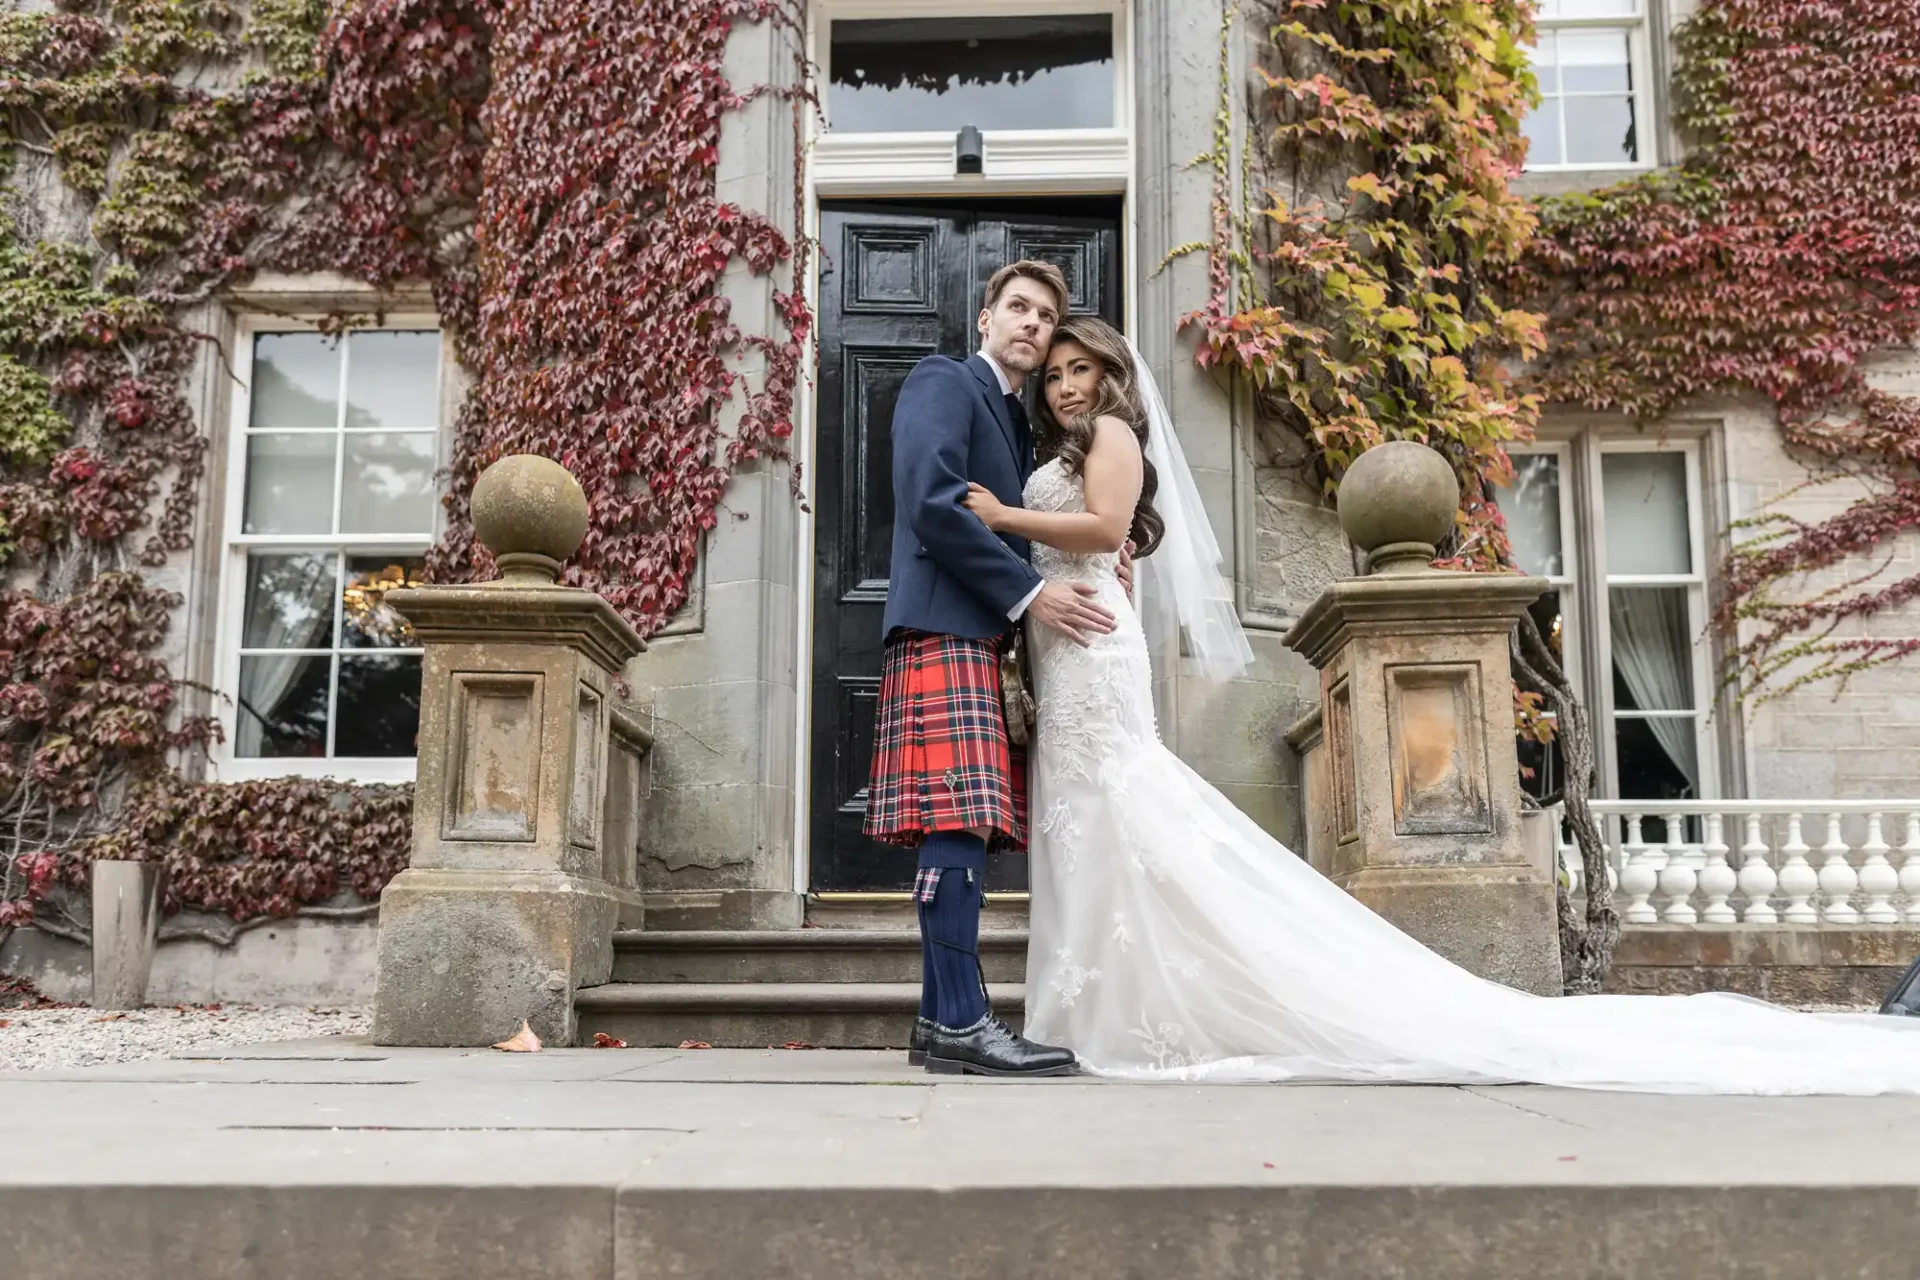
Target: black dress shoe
(917, 1043)
(989, 1048)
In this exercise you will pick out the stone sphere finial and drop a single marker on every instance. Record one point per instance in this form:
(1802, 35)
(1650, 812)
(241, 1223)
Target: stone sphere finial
(1397, 502)
(532, 514)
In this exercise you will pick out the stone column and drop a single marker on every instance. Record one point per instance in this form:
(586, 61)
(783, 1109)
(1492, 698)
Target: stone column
(506, 906)
(1417, 711)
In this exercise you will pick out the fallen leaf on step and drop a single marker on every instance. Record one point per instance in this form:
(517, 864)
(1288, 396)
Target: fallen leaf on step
(111, 1017)
(1568, 1159)
(1266, 1164)
(601, 1040)
(797, 1044)
(522, 1041)
(5, 1023)
(695, 1044)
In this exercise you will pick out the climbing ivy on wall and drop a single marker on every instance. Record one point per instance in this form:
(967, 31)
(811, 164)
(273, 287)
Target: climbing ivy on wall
(1776, 259)
(548, 169)
(1359, 310)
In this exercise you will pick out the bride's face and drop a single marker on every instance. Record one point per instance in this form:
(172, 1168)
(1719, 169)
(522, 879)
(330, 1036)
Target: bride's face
(1072, 374)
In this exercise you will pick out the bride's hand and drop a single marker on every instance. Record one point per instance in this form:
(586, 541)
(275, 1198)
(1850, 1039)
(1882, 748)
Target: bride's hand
(982, 503)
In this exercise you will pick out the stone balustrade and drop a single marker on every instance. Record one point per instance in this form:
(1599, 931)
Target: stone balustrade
(1759, 862)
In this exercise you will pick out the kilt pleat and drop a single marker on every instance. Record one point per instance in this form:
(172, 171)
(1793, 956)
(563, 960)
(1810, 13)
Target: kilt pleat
(942, 760)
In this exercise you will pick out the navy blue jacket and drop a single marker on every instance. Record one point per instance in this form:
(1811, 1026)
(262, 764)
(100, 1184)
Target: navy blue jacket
(951, 574)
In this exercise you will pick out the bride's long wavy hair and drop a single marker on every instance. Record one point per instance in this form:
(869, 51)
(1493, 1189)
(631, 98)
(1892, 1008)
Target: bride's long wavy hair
(1114, 394)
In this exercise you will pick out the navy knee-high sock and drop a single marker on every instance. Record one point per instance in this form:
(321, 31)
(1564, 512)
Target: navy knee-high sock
(950, 984)
(928, 1001)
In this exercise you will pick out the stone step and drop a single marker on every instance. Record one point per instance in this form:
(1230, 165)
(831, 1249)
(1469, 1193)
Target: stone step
(797, 956)
(754, 1015)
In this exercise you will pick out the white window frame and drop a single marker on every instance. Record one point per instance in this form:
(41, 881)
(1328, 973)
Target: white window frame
(1568, 581)
(231, 612)
(1055, 161)
(1706, 751)
(1638, 29)
(1585, 582)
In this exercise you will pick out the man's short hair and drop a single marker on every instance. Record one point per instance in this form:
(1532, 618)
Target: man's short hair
(1030, 269)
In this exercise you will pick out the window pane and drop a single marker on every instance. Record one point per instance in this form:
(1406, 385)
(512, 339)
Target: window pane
(1652, 649)
(378, 705)
(936, 75)
(289, 484)
(1600, 131)
(1561, 9)
(1532, 511)
(1594, 62)
(1658, 761)
(1646, 508)
(387, 483)
(282, 707)
(289, 602)
(367, 621)
(1542, 127)
(296, 381)
(393, 380)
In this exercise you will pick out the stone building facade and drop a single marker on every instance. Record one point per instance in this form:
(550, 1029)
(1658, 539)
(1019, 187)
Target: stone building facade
(1090, 116)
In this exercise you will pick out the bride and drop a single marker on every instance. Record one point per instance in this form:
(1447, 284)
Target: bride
(1173, 939)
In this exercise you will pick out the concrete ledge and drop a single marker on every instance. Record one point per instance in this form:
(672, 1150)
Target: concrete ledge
(1275, 1233)
(1791, 964)
(323, 1159)
(297, 961)
(603, 1232)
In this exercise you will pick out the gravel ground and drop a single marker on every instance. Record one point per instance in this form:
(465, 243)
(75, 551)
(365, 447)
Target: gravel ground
(39, 1039)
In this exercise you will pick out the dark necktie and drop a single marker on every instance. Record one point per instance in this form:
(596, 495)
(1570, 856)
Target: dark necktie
(1018, 413)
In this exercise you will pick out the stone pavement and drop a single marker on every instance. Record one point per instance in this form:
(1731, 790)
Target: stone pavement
(332, 1159)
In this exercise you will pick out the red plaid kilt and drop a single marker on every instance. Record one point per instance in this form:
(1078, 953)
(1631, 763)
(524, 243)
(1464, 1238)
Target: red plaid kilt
(941, 758)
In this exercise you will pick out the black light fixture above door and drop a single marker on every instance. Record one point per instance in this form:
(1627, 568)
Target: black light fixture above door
(969, 151)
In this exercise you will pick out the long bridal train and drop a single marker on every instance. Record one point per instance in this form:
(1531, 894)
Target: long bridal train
(1173, 939)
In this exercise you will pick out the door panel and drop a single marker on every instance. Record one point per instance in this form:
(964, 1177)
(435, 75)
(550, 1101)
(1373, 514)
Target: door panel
(899, 282)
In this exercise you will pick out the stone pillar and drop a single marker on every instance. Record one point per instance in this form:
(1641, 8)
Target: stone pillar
(506, 907)
(1417, 711)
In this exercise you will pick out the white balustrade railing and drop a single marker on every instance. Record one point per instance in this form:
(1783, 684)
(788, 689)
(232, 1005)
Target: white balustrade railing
(1698, 862)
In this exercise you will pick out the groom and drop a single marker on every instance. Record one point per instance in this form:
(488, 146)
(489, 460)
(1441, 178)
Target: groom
(946, 778)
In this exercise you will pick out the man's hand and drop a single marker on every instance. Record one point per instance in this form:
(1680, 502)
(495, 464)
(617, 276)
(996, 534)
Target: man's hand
(1125, 571)
(1068, 608)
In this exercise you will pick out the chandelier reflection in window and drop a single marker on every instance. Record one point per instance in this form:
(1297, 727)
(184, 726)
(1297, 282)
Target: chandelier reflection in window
(368, 618)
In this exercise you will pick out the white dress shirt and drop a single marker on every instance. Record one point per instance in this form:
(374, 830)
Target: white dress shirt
(1006, 389)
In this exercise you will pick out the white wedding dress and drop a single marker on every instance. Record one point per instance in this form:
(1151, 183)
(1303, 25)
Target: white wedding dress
(1173, 939)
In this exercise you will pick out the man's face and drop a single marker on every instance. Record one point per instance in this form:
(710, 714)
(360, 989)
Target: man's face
(1018, 327)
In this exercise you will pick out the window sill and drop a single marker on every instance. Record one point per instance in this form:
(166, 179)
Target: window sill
(342, 769)
(1574, 179)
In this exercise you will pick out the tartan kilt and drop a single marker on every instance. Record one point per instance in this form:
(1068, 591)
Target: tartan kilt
(941, 759)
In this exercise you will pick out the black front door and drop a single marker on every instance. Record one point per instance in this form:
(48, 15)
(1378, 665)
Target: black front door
(898, 282)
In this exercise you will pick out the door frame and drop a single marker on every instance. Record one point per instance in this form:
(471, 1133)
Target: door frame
(905, 166)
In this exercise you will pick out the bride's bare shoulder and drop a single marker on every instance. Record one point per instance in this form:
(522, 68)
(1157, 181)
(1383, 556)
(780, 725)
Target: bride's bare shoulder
(1110, 432)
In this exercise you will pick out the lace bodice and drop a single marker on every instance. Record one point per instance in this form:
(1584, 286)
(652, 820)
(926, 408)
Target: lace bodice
(1051, 488)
